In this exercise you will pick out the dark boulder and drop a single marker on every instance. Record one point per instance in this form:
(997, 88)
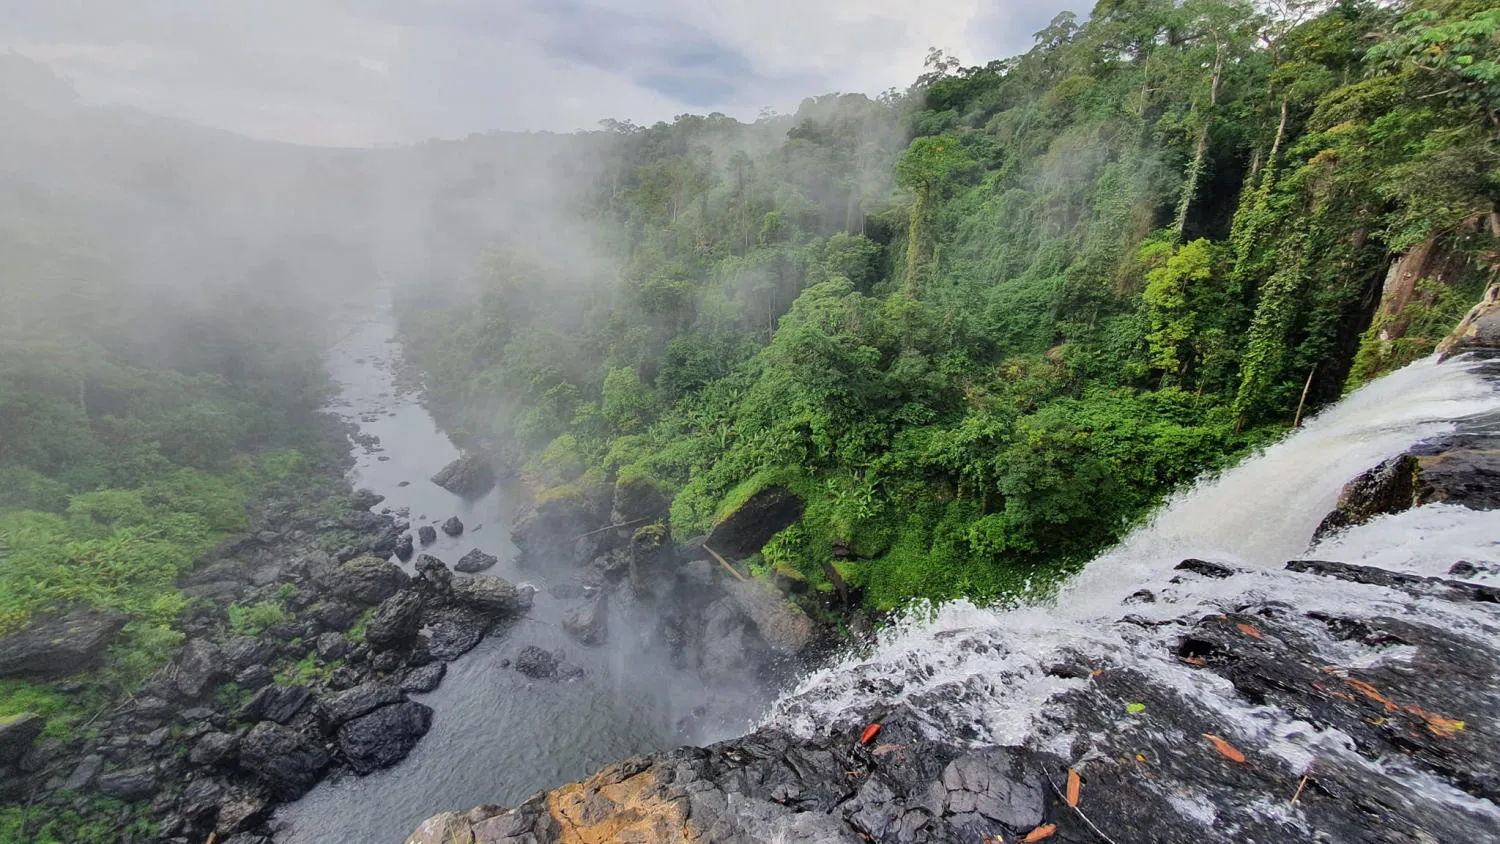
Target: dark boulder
(254, 677)
(538, 663)
(385, 544)
(17, 732)
(449, 633)
(453, 527)
(84, 773)
(1387, 488)
(200, 666)
(360, 700)
(61, 646)
(331, 646)
(395, 621)
(783, 625)
(426, 534)
(285, 761)
(383, 737)
(246, 651)
(128, 784)
(651, 555)
(364, 499)
(214, 749)
(277, 703)
(404, 548)
(369, 580)
(475, 561)
(470, 476)
(637, 498)
(746, 528)
(434, 581)
(493, 597)
(424, 679)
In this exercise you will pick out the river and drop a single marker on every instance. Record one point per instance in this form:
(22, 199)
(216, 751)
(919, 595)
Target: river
(497, 736)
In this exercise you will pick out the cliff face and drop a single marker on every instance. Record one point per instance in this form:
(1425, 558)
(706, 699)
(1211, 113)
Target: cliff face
(1322, 701)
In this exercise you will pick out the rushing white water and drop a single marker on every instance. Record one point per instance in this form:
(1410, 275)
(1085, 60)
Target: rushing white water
(981, 674)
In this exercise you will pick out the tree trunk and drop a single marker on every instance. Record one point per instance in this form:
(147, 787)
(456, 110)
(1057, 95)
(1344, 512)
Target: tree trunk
(1200, 152)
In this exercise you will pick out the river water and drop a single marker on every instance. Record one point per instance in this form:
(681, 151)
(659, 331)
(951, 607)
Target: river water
(497, 736)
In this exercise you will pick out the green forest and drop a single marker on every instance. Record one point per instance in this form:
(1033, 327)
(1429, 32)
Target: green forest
(983, 325)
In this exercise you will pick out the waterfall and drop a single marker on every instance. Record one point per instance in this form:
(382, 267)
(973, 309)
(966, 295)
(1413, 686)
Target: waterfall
(982, 675)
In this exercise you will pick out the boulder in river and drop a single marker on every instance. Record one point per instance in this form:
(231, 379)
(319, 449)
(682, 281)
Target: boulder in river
(470, 476)
(282, 759)
(474, 561)
(426, 534)
(453, 527)
(383, 737)
(747, 527)
(491, 596)
(404, 549)
(61, 646)
(538, 663)
(586, 623)
(360, 700)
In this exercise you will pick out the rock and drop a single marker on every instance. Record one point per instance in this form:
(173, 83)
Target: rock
(426, 534)
(538, 664)
(548, 528)
(587, 623)
(475, 561)
(241, 809)
(728, 649)
(993, 784)
(200, 665)
(277, 703)
(1388, 488)
(246, 651)
(494, 597)
(17, 732)
(332, 646)
(385, 662)
(1479, 329)
(747, 528)
(1217, 571)
(403, 549)
(424, 679)
(450, 633)
(434, 581)
(285, 761)
(385, 544)
(637, 497)
(84, 773)
(214, 749)
(254, 677)
(651, 555)
(781, 624)
(470, 476)
(453, 527)
(1436, 587)
(360, 700)
(128, 784)
(395, 621)
(364, 499)
(369, 580)
(61, 646)
(383, 737)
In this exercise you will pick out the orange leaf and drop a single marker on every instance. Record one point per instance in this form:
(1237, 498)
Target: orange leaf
(1040, 833)
(1371, 692)
(1249, 631)
(1225, 748)
(1074, 786)
(869, 733)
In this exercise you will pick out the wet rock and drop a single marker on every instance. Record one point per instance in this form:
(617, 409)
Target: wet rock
(277, 703)
(369, 580)
(403, 549)
(1205, 568)
(385, 544)
(424, 679)
(1436, 587)
(129, 784)
(200, 666)
(364, 499)
(434, 581)
(239, 810)
(385, 662)
(84, 773)
(395, 621)
(748, 527)
(426, 534)
(1390, 487)
(1464, 568)
(493, 597)
(360, 700)
(1478, 330)
(383, 737)
(453, 527)
(781, 624)
(470, 476)
(17, 732)
(587, 623)
(246, 651)
(475, 561)
(637, 498)
(537, 663)
(285, 761)
(61, 646)
(254, 677)
(332, 646)
(651, 556)
(214, 749)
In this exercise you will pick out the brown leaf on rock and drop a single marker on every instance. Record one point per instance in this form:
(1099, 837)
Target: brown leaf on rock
(1041, 832)
(1075, 785)
(1226, 749)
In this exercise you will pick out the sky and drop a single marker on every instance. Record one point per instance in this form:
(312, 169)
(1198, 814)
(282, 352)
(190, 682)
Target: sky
(376, 72)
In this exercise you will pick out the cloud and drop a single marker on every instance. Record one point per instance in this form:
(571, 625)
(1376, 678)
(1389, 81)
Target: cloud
(359, 72)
